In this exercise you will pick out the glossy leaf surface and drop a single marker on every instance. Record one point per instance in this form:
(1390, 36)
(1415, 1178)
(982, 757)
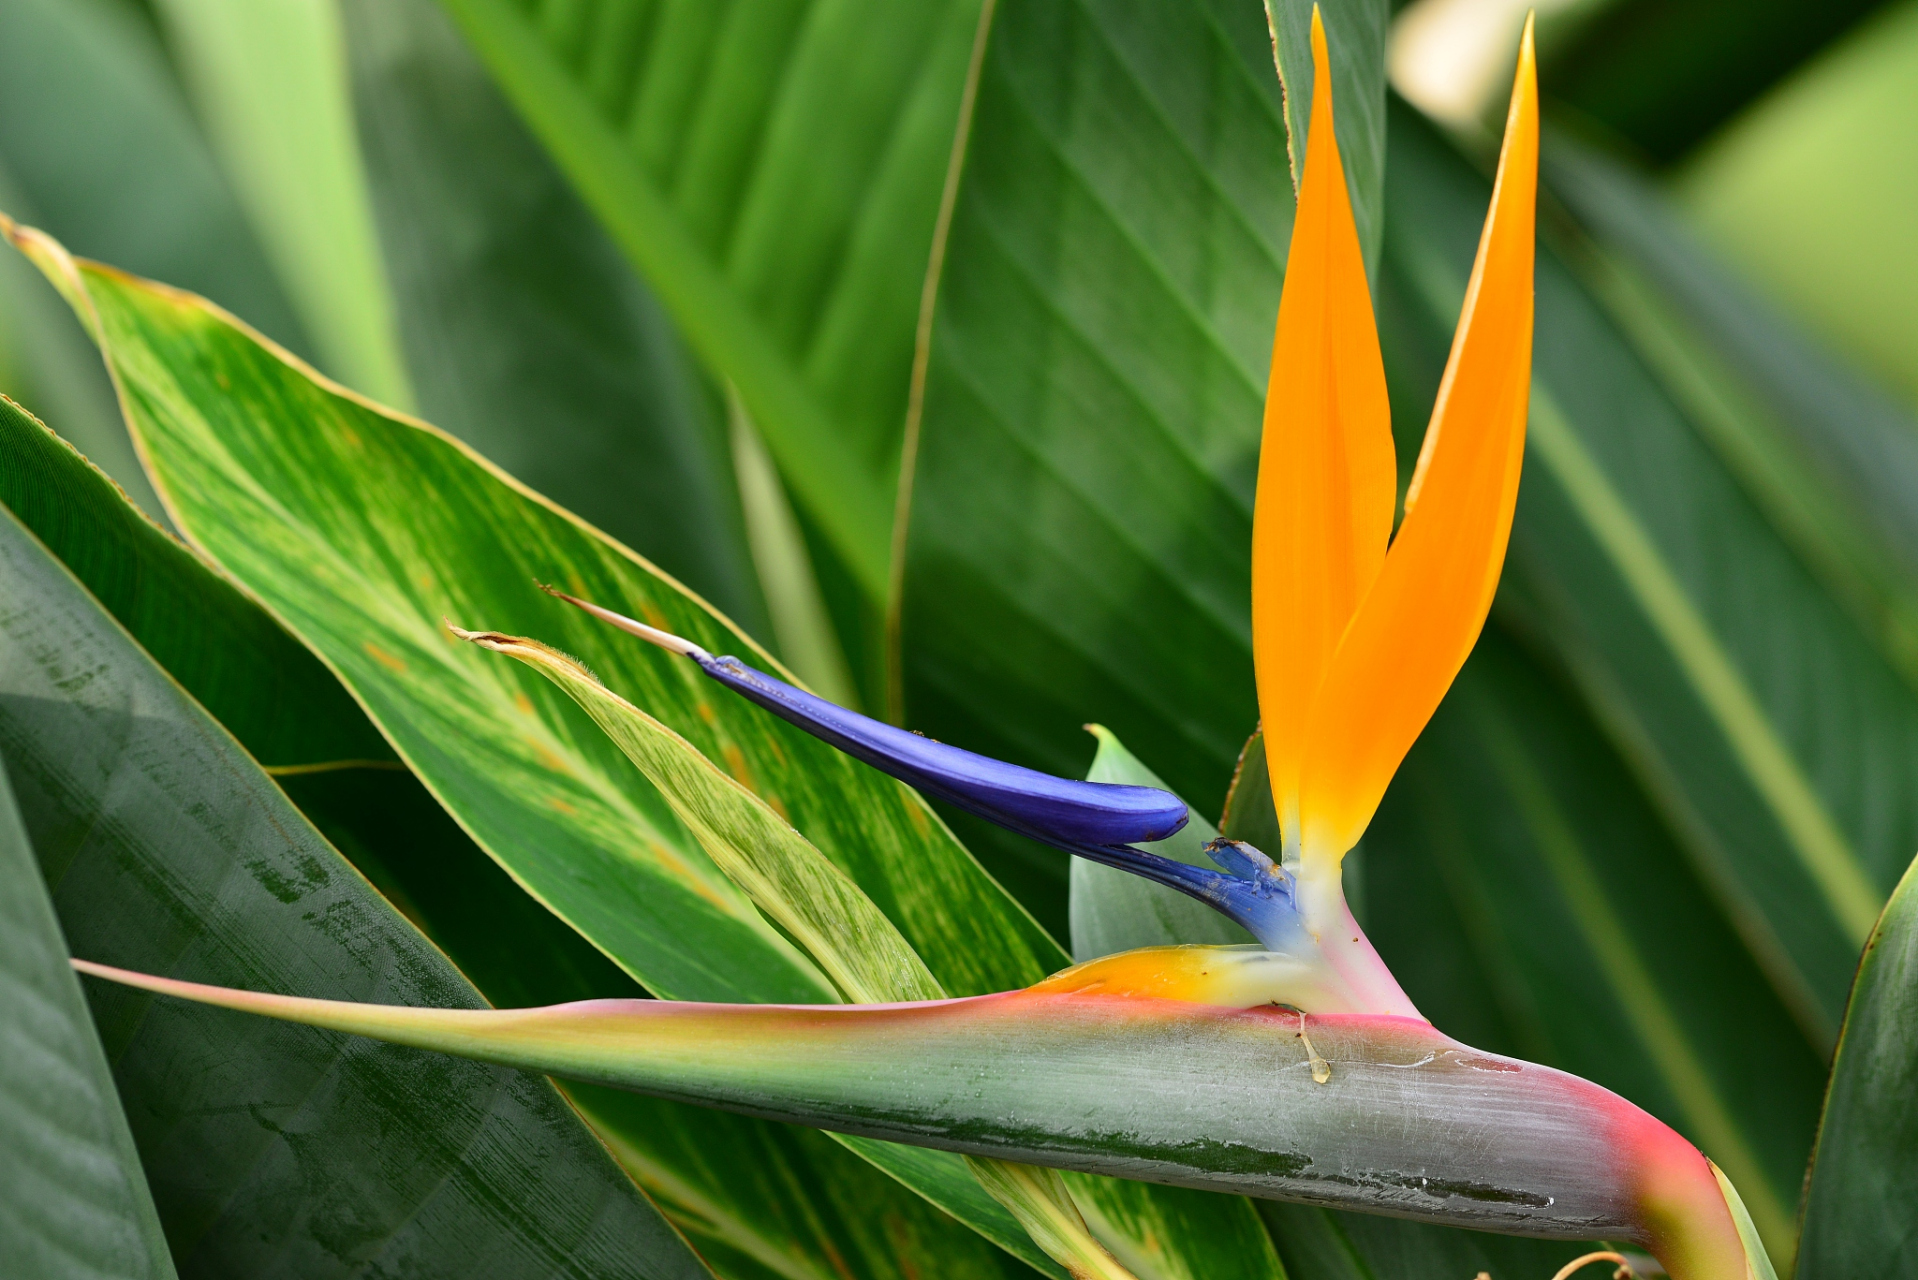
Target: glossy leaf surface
(1859, 1203)
(165, 845)
(785, 1200)
(775, 171)
(531, 777)
(74, 1203)
(526, 333)
(1056, 572)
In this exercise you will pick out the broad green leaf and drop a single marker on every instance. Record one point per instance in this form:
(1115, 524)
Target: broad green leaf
(747, 1188)
(1114, 911)
(313, 500)
(775, 170)
(525, 332)
(1771, 731)
(269, 78)
(1355, 42)
(74, 1203)
(1534, 903)
(1859, 1203)
(97, 146)
(1833, 460)
(166, 847)
(1081, 512)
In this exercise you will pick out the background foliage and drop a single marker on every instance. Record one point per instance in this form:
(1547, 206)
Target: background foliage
(926, 344)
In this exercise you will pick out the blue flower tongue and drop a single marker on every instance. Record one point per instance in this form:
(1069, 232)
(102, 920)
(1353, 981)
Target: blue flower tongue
(1059, 810)
(1025, 800)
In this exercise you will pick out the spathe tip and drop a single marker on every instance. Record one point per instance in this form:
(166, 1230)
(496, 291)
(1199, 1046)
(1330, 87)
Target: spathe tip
(632, 626)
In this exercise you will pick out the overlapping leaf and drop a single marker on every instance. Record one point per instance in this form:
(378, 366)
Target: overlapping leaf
(74, 1203)
(1859, 1198)
(165, 846)
(754, 1193)
(775, 170)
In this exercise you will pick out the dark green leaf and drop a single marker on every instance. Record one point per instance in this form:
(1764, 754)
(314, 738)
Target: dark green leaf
(74, 1204)
(775, 170)
(1862, 1198)
(167, 849)
(743, 1187)
(358, 562)
(526, 334)
(1081, 520)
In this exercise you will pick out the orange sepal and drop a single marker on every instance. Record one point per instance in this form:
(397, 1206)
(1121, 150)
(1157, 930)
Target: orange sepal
(1412, 633)
(1327, 476)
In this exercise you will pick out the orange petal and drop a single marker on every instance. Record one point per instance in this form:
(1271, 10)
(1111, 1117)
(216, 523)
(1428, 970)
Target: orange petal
(1327, 478)
(1412, 633)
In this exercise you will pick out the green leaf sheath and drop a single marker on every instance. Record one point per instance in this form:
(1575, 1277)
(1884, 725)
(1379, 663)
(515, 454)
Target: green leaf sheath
(1355, 42)
(1113, 911)
(164, 846)
(1223, 1099)
(1860, 1202)
(778, 185)
(526, 333)
(790, 1202)
(74, 1203)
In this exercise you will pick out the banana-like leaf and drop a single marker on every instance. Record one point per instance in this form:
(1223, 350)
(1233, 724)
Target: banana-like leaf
(97, 146)
(366, 572)
(164, 845)
(1081, 516)
(74, 1204)
(1861, 1198)
(789, 1202)
(1407, 1122)
(1355, 39)
(269, 78)
(1769, 727)
(525, 332)
(775, 171)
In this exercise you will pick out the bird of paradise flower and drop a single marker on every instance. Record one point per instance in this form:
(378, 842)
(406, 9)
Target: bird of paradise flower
(1296, 1068)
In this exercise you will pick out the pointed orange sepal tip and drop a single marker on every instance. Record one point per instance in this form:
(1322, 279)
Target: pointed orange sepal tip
(1414, 630)
(1327, 476)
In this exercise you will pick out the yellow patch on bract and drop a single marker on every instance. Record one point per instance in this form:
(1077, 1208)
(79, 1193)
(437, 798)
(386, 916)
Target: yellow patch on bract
(521, 703)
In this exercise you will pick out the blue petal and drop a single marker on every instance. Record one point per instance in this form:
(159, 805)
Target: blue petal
(1025, 800)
